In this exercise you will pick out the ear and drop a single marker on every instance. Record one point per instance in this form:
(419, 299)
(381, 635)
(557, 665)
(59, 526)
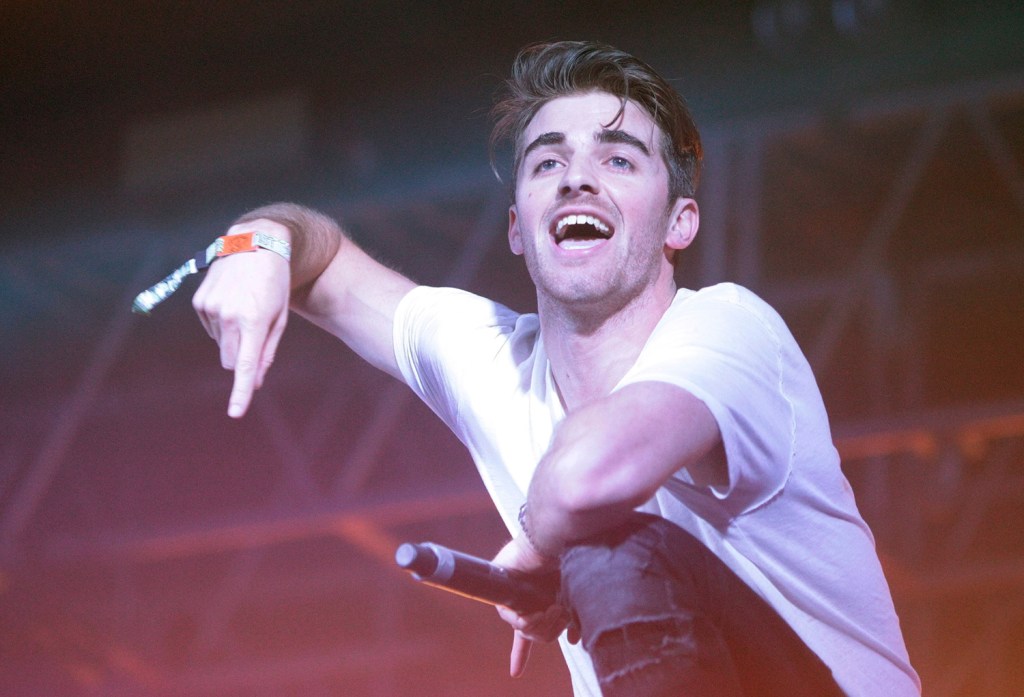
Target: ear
(515, 238)
(683, 224)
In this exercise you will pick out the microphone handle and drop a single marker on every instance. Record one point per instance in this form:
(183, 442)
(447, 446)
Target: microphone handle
(477, 579)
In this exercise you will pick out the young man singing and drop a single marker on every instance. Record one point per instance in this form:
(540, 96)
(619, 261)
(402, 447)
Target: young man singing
(666, 449)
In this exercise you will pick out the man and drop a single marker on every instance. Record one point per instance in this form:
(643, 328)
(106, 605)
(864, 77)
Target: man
(665, 449)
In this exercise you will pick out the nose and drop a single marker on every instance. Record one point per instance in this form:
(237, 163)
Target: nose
(578, 177)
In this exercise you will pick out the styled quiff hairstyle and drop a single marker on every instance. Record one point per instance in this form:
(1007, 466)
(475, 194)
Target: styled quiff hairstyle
(543, 72)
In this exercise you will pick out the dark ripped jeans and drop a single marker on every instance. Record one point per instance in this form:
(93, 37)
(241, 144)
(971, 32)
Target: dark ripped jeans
(661, 615)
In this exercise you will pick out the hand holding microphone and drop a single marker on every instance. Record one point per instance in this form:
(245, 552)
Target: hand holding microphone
(477, 578)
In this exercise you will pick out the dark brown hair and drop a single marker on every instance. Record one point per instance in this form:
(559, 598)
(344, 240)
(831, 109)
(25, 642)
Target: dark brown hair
(543, 72)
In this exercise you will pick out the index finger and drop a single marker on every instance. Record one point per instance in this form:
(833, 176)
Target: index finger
(246, 367)
(520, 654)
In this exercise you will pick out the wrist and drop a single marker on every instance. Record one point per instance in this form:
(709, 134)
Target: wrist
(528, 560)
(225, 245)
(266, 226)
(250, 241)
(543, 550)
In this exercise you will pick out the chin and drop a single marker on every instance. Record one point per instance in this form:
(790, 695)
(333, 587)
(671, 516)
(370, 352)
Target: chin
(584, 294)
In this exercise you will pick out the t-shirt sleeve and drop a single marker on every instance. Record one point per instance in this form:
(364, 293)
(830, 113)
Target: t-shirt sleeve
(445, 341)
(724, 347)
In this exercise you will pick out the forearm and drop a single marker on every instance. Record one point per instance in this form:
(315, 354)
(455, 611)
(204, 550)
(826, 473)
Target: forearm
(611, 456)
(577, 489)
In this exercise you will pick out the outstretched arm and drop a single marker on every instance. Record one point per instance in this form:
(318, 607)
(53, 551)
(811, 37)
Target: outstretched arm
(243, 302)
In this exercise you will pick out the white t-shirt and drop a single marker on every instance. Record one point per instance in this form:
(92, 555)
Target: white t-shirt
(786, 522)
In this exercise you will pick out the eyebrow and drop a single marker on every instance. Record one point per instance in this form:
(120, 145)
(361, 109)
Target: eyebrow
(616, 136)
(549, 138)
(607, 135)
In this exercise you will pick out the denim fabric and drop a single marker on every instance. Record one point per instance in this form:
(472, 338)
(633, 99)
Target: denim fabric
(661, 615)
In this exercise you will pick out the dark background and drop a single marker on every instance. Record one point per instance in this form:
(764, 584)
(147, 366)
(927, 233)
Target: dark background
(863, 173)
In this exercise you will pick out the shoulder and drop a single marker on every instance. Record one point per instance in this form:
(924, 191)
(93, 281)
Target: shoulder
(456, 325)
(452, 306)
(723, 297)
(443, 298)
(723, 312)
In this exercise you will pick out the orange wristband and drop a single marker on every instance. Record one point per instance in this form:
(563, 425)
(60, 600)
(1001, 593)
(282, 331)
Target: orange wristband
(221, 247)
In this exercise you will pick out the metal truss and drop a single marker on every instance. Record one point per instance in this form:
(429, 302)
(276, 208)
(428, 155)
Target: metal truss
(148, 548)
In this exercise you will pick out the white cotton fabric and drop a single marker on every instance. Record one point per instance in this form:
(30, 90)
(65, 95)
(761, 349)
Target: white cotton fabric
(786, 522)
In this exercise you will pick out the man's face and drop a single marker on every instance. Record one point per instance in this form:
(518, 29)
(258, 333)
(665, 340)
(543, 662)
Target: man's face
(592, 215)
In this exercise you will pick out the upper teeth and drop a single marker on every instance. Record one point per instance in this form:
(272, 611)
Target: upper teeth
(582, 220)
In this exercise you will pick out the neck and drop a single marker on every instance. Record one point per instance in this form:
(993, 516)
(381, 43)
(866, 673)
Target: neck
(591, 351)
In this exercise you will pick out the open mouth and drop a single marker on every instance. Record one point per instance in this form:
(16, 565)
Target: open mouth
(580, 231)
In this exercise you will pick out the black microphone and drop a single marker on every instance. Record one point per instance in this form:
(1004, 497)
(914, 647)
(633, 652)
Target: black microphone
(476, 578)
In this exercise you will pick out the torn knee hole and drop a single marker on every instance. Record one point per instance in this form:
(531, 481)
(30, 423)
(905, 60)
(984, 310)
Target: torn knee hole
(670, 636)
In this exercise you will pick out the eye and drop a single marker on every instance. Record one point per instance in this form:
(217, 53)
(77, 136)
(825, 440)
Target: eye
(545, 165)
(619, 162)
